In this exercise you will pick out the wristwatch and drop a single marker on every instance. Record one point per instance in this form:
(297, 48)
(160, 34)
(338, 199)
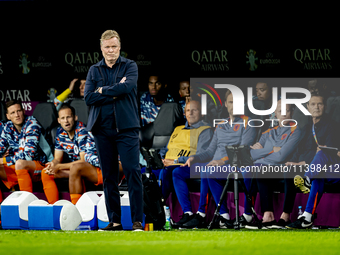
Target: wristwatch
(176, 161)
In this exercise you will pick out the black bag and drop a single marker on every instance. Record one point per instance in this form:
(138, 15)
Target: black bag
(153, 200)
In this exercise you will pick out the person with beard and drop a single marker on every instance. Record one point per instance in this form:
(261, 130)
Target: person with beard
(71, 139)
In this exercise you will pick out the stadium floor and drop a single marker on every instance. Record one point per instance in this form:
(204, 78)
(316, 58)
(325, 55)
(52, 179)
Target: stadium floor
(177, 242)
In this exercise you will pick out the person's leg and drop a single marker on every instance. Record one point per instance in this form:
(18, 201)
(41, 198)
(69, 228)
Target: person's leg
(24, 170)
(166, 180)
(204, 189)
(108, 159)
(251, 186)
(8, 177)
(216, 186)
(77, 172)
(315, 195)
(128, 149)
(266, 199)
(290, 194)
(179, 177)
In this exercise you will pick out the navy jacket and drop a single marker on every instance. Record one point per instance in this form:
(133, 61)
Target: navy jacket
(122, 95)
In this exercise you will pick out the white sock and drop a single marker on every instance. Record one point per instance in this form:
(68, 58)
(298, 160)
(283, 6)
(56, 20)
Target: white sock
(308, 216)
(202, 214)
(226, 216)
(190, 213)
(248, 217)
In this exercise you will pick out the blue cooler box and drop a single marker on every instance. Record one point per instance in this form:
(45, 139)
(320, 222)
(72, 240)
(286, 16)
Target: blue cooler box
(40, 215)
(87, 207)
(62, 215)
(14, 210)
(126, 221)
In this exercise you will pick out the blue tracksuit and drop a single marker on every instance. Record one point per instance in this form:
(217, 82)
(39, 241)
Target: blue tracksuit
(225, 134)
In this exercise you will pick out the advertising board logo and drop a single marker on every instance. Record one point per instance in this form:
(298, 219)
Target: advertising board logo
(314, 59)
(142, 61)
(81, 61)
(210, 60)
(251, 60)
(24, 63)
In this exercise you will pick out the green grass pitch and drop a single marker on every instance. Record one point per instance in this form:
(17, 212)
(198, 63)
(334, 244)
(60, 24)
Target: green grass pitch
(171, 242)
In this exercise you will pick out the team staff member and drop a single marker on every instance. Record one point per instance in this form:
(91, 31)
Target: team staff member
(111, 92)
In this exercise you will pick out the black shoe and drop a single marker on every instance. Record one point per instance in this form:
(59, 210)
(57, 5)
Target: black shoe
(137, 226)
(185, 218)
(196, 222)
(263, 225)
(300, 223)
(281, 224)
(243, 222)
(110, 227)
(224, 223)
(303, 184)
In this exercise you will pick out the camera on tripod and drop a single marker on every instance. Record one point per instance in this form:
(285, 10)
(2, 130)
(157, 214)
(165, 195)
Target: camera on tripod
(152, 158)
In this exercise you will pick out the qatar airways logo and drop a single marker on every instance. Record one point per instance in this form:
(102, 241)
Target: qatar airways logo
(239, 100)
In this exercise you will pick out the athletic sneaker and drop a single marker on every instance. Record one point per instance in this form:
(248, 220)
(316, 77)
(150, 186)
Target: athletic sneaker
(110, 227)
(303, 184)
(263, 225)
(281, 224)
(196, 222)
(243, 222)
(137, 226)
(224, 223)
(300, 223)
(185, 218)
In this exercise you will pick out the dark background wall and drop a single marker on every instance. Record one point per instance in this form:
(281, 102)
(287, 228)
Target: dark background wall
(61, 42)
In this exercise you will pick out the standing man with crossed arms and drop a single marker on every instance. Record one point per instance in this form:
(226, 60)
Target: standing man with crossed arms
(111, 93)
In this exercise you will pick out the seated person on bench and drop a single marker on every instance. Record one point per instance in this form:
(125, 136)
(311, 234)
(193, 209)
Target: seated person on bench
(321, 131)
(274, 148)
(226, 133)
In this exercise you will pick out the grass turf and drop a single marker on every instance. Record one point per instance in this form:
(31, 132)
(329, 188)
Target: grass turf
(171, 242)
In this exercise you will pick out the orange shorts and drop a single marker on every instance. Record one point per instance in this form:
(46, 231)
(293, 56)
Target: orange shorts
(12, 178)
(100, 177)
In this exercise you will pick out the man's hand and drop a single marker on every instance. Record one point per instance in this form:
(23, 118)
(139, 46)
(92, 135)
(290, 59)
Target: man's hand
(318, 148)
(71, 86)
(216, 163)
(295, 163)
(51, 168)
(100, 89)
(256, 146)
(167, 162)
(276, 149)
(188, 163)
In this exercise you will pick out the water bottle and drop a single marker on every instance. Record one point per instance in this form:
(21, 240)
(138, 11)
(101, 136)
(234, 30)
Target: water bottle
(167, 219)
(300, 211)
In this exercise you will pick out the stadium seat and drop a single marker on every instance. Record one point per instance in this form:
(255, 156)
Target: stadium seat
(157, 134)
(81, 109)
(3, 111)
(333, 108)
(46, 114)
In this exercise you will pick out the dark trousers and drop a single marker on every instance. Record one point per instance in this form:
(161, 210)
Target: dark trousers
(109, 144)
(266, 188)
